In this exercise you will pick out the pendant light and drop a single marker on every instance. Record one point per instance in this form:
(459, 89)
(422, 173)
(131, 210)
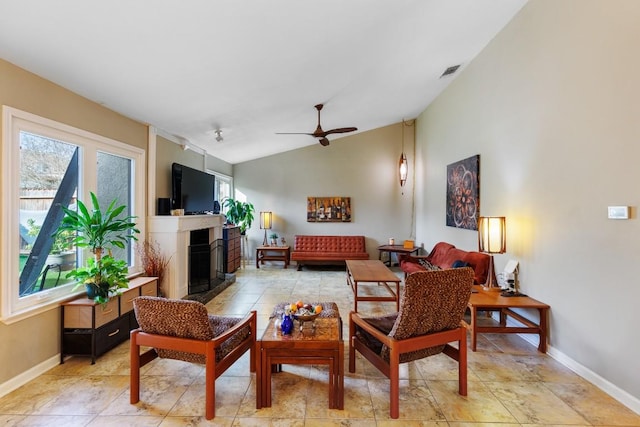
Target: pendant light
(403, 165)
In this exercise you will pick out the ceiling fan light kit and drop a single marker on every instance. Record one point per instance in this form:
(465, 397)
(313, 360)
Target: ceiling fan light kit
(319, 133)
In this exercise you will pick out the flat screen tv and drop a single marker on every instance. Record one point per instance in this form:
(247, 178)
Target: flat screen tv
(192, 190)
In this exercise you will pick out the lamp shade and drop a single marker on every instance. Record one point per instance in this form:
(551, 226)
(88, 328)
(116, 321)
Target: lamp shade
(492, 236)
(403, 169)
(266, 220)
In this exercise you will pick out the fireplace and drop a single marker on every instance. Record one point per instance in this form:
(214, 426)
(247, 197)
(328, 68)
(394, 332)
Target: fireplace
(174, 235)
(204, 262)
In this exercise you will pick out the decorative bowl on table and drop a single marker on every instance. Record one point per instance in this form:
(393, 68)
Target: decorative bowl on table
(306, 314)
(305, 317)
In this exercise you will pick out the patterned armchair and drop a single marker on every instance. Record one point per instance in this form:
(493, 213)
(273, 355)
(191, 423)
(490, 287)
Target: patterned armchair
(183, 330)
(431, 309)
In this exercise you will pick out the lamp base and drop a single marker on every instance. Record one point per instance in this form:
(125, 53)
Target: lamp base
(491, 284)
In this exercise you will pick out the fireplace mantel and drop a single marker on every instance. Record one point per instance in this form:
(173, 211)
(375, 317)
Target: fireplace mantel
(172, 233)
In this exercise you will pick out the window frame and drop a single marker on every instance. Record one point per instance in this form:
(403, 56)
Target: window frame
(224, 178)
(13, 307)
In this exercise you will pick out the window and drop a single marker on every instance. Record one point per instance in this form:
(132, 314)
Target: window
(46, 165)
(222, 187)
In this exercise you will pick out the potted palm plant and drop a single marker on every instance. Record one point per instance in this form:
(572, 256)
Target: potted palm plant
(239, 213)
(99, 231)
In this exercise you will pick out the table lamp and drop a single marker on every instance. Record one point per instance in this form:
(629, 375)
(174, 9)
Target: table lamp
(492, 239)
(266, 219)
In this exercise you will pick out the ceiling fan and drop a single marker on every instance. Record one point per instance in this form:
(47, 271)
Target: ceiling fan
(319, 133)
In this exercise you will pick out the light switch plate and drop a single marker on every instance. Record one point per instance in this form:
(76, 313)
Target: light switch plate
(618, 212)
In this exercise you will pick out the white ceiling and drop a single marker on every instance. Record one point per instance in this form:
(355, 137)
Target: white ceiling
(251, 67)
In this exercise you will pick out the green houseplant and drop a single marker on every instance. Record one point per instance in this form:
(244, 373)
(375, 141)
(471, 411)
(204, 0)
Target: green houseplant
(239, 213)
(99, 231)
(274, 239)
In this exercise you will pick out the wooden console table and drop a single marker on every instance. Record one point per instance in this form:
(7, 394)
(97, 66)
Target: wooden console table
(490, 301)
(277, 253)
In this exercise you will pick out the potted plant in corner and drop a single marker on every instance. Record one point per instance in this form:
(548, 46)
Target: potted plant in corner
(100, 231)
(239, 213)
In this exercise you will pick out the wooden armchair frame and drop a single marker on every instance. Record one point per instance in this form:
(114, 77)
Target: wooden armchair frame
(207, 348)
(430, 318)
(392, 369)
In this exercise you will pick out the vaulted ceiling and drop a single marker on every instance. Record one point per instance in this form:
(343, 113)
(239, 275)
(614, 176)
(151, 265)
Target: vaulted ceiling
(251, 68)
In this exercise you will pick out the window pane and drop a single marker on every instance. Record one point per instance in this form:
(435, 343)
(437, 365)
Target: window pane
(48, 179)
(223, 189)
(114, 182)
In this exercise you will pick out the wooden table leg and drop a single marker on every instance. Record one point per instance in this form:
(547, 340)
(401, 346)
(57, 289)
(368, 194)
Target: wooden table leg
(398, 296)
(355, 296)
(267, 382)
(259, 368)
(474, 325)
(341, 375)
(332, 382)
(542, 346)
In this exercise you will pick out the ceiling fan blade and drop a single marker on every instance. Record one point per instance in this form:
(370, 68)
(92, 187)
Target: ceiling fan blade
(340, 130)
(319, 133)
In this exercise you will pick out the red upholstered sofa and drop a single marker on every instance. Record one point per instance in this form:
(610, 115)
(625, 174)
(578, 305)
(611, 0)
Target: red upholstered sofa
(327, 249)
(444, 255)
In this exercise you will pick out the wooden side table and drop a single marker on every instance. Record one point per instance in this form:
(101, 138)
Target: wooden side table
(482, 300)
(395, 249)
(310, 346)
(273, 253)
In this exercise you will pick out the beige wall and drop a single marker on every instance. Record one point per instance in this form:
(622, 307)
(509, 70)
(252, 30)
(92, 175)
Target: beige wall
(36, 340)
(362, 166)
(551, 106)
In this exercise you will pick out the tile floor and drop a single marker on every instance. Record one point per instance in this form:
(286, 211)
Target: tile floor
(510, 383)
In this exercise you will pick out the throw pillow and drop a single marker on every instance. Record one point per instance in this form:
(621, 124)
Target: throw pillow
(459, 264)
(426, 264)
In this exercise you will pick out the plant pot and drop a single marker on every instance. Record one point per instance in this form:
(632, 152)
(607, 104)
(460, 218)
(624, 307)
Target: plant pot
(94, 290)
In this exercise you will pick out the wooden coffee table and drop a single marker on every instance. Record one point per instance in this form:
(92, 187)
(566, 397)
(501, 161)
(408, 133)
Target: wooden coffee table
(312, 346)
(372, 271)
(488, 301)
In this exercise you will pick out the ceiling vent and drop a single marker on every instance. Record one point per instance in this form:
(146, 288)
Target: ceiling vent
(450, 70)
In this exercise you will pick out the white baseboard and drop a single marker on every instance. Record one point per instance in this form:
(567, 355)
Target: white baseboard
(611, 389)
(31, 374)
